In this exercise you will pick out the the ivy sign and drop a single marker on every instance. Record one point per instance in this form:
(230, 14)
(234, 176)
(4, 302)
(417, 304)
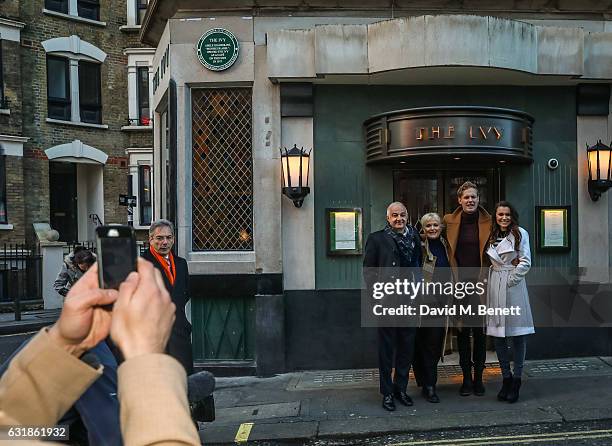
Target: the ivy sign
(217, 49)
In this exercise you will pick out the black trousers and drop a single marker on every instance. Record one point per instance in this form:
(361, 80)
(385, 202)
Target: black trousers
(401, 340)
(479, 353)
(428, 352)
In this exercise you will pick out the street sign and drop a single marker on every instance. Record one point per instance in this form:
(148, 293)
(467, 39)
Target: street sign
(127, 200)
(217, 49)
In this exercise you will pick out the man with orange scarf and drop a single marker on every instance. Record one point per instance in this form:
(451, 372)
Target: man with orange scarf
(176, 278)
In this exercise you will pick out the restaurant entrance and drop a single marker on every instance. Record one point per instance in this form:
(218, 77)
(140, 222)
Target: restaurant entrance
(424, 191)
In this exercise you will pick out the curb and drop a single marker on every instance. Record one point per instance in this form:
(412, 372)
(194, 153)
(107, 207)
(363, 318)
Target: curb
(21, 327)
(301, 431)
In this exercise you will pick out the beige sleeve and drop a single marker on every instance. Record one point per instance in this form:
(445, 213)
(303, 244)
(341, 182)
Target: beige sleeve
(153, 398)
(42, 382)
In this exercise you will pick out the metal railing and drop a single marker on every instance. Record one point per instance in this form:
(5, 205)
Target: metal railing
(20, 276)
(91, 245)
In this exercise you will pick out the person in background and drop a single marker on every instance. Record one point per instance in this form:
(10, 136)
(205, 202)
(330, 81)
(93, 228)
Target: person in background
(52, 371)
(508, 242)
(467, 232)
(395, 246)
(438, 267)
(176, 279)
(75, 265)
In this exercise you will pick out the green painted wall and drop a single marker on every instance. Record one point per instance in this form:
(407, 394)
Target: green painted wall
(343, 180)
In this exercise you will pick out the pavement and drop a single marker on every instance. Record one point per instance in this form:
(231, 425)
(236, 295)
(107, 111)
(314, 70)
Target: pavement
(30, 321)
(338, 404)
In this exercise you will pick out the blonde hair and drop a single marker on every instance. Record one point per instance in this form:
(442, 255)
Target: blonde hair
(431, 216)
(465, 186)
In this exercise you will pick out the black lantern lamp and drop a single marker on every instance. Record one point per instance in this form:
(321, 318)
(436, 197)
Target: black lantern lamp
(599, 157)
(295, 164)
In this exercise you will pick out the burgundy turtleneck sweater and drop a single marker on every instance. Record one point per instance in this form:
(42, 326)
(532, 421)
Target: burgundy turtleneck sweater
(468, 243)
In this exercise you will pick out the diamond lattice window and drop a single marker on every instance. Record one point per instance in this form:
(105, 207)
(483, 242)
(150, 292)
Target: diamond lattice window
(222, 170)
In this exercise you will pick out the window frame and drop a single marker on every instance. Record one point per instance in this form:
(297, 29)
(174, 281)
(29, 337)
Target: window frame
(97, 107)
(3, 203)
(141, 193)
(143, 119)
(66, 102)
(3, 103)
(94, 4)
(140, 5)
(66, 10)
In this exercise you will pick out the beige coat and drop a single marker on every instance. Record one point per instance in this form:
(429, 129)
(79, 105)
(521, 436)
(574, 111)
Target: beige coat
(453, 222)
(43, 381)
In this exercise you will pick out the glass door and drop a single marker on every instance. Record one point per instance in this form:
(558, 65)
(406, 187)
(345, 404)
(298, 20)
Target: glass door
(436, 190)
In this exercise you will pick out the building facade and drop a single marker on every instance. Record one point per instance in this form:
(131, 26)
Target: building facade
(76, 128)
(381, 92)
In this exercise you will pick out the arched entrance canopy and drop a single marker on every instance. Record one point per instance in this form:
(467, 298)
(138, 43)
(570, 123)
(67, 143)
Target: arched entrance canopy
(450, 133)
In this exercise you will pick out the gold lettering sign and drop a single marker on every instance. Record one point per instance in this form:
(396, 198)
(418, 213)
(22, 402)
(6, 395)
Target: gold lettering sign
(448, 132)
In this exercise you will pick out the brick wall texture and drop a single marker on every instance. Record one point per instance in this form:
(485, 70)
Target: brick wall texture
(27, 84)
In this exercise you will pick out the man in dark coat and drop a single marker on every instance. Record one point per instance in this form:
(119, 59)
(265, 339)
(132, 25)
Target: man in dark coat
(398, 245)
(176, 278)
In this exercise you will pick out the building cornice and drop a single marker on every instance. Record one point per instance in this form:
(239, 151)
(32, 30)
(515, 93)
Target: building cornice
(11, 23)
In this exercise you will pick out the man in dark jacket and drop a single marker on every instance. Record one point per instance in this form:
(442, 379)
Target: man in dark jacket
(397, 245)
(176, 278)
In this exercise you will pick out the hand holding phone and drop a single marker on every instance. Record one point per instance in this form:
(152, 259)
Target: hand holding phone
(117, 256)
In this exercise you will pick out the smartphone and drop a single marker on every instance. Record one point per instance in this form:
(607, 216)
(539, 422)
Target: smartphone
(117, 255)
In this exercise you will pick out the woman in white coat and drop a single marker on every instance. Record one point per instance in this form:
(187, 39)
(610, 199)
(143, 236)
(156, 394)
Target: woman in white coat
(508, 251)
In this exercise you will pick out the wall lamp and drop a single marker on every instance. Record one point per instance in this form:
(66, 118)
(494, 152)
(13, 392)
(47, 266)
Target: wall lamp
(599, 157)
(295, 165)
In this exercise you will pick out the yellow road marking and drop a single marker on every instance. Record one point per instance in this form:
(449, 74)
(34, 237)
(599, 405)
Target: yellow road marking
(242, 436)
(511, 438)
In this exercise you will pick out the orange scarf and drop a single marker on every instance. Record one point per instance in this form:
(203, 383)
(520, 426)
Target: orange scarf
(170, 272)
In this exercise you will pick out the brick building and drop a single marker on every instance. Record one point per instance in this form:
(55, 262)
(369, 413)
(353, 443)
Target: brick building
(75, 118)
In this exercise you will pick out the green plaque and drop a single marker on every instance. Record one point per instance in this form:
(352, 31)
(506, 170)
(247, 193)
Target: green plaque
(217, 49)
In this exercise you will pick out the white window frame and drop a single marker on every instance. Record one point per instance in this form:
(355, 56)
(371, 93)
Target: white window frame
(140, 157)
(73, 13)
(75, 49)
(137, 58)
(132, 14)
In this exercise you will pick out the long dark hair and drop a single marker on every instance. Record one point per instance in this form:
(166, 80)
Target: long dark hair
(513, 228)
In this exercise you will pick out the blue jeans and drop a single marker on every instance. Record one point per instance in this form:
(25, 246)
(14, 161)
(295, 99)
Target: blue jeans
(519, 344)
(98, 407)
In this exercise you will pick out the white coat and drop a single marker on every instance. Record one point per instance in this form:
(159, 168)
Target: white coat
(507, 287)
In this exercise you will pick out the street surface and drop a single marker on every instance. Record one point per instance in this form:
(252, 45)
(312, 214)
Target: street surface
(590, 433)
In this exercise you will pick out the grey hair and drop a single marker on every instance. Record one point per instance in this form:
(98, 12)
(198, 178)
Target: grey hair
(160, 224)
(431, 216)
(395, 203)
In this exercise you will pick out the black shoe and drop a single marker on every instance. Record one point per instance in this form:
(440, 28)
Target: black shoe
(403, 398)
(513, 394)
(388, 403)
(506, 386)
(429, 392)
(467, 386)
(479, 388)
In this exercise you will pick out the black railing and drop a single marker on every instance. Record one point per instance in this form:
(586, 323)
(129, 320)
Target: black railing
(20, 276)
(91, 245)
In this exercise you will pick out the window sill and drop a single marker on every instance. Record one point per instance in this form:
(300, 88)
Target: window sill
(77, 124)
(136, 128)
(74, 18)
(139, 227)
(5, 111)
(5, 227)
(129, 28)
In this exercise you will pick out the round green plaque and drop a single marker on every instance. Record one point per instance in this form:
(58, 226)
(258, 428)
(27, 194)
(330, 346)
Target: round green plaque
(217, 49)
